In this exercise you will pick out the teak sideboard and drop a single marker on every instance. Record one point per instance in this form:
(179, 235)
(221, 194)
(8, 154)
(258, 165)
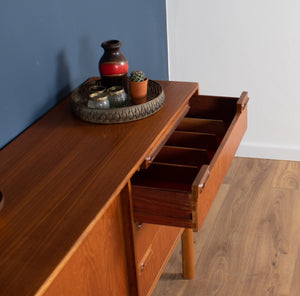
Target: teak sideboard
(98, 209)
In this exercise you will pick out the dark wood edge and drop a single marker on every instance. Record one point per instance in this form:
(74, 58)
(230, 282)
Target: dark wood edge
(1, 200)
(128, 224)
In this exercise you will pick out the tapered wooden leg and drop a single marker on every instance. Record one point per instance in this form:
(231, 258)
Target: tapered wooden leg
(188, 265)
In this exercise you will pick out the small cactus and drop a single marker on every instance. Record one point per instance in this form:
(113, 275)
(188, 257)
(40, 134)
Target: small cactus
(137, 76)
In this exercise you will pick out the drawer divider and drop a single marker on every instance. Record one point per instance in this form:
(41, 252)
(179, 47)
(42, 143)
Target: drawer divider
(151, 156)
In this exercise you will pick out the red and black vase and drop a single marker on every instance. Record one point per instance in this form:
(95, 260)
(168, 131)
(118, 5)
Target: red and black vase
(113, 66)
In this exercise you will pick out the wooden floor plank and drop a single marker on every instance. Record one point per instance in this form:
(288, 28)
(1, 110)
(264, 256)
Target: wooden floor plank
(295, 287)
(287, 176)
(249, 244)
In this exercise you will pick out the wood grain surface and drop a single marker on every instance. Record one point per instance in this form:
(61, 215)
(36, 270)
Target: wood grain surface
(60, 176)
(249, 243)
(99, 262)
(153, 254)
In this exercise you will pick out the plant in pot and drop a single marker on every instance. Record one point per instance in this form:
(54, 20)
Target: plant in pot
(138, 86)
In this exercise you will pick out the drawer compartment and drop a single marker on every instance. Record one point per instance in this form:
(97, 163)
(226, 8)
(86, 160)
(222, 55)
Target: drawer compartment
(181, 182)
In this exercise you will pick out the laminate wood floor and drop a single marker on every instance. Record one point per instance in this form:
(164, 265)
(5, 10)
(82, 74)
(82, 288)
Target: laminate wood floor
(249, 244)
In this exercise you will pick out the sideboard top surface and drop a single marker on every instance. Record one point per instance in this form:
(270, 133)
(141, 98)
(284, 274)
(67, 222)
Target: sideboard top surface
(59, 175)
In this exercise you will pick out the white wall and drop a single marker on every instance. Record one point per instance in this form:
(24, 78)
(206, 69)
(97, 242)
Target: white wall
(236, 45)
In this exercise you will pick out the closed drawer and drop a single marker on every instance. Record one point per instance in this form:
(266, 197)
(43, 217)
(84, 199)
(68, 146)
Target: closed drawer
(182, 181)
(144, 234)
(154, 246)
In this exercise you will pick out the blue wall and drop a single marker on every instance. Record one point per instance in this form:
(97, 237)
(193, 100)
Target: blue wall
(49, 47)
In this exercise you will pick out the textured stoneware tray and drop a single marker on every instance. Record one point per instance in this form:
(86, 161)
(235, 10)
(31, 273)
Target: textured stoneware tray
(130, 112)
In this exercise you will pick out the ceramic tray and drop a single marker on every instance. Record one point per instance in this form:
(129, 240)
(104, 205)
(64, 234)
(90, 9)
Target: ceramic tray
(130, 112)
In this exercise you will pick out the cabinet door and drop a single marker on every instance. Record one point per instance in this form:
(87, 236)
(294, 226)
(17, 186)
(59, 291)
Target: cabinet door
(180, 185)
(97, 266)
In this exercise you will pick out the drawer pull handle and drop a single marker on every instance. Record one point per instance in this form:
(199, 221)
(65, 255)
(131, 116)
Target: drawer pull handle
(145, 260)
(139, 226)
(1, 200)
(242, 102)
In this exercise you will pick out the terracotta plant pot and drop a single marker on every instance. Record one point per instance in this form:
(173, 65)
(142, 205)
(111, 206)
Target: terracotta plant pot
(138, 91)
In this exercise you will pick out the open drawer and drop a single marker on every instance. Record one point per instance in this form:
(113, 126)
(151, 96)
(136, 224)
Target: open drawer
(182, 181)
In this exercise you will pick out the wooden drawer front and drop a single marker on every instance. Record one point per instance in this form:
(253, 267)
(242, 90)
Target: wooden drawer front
(143, 236)
(179, 186)
(154, 246)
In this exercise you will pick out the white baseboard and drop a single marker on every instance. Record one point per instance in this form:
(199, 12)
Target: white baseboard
(269, 152)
